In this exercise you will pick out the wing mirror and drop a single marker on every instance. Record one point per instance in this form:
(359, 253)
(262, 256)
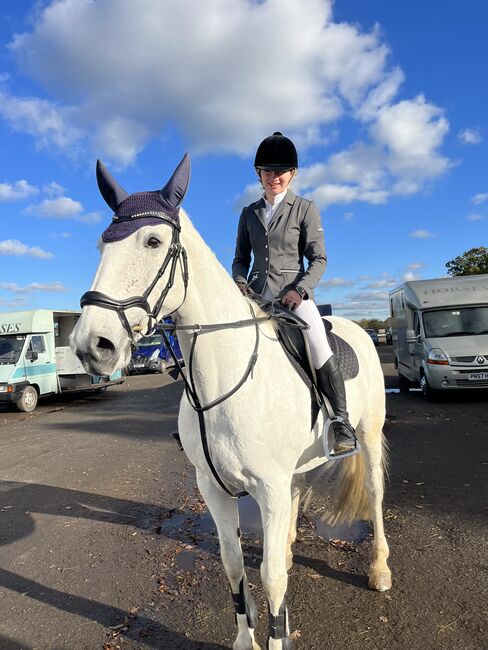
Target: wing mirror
(412, 337)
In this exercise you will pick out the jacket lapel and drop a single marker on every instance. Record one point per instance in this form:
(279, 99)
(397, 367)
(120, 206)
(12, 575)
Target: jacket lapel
(260, 212)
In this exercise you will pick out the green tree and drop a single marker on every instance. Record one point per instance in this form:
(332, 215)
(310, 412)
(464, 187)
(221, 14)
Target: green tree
(472, 262)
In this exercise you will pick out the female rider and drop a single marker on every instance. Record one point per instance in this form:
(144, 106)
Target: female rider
(280, 230)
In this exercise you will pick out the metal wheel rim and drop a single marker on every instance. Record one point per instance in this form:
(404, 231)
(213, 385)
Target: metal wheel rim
(29, 398)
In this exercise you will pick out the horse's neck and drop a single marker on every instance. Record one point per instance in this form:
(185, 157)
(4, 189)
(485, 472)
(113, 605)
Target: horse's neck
(219, 359)
(212, 296)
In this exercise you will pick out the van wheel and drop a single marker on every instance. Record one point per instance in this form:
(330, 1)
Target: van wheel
(161, 367)
(428, 392)
(28, 400)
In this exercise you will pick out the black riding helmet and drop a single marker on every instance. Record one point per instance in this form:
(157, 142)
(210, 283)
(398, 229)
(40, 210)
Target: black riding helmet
(276, 152)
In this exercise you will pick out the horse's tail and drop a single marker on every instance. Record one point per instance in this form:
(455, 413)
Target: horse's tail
(352, 499)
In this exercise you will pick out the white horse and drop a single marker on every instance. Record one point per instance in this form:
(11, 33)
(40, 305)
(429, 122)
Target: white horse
(260, 438)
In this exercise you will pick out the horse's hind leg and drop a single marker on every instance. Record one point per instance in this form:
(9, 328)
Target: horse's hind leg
(379, 577)
(226, 516)
(275, 505)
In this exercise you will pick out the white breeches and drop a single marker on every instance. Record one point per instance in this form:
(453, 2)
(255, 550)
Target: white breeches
(317, 338)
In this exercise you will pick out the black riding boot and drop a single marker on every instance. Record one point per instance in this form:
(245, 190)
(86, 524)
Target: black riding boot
(331, 384)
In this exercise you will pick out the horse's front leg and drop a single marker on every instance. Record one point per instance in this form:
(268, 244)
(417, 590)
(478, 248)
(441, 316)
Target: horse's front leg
(226, 517)
(275, 506)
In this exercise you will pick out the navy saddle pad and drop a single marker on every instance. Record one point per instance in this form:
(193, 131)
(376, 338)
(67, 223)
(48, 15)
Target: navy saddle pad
(291, 338)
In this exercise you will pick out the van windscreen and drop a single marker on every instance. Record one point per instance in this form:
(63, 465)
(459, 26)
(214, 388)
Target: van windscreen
(10, 348)
(456, 321)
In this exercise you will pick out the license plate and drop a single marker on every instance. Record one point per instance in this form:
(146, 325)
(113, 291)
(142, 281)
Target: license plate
(478, 376)
(139, 365)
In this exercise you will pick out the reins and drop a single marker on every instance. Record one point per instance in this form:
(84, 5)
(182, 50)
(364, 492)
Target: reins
(190, 387)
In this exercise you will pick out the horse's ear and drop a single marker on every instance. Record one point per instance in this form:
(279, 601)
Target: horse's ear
(175, 189)
(111, 191)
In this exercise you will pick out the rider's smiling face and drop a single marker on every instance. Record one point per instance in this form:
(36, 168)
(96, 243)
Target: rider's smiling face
(275, 181)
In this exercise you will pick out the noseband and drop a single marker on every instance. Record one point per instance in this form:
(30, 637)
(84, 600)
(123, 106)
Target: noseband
(175, 253)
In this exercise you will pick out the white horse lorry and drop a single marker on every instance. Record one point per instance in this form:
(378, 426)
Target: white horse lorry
(440, 333)
(36, 358)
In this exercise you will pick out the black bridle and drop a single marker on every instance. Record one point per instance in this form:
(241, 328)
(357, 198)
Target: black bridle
(175, 253)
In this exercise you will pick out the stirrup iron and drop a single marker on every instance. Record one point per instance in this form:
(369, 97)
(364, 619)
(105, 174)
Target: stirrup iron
(328, 440)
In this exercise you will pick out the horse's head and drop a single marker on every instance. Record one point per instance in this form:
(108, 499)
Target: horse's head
(142, 274)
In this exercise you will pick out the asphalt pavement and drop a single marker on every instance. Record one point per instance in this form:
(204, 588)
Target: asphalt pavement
(106, 544)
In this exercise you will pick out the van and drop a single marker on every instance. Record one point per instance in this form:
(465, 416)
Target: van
(152, 354)
(440, 333)
(36, 358)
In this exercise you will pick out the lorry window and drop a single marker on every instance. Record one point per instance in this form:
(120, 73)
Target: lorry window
(10, 349)
(458, 321)
(37, 344)
(416, 323)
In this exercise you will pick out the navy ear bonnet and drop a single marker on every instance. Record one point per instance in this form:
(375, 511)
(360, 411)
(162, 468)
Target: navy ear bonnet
(134, 211)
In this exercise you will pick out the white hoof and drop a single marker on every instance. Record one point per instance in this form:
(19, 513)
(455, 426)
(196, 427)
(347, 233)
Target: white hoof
(380, 581)
(245, 641)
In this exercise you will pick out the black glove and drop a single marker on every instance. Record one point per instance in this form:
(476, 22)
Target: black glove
(291, 299)
(245, 289)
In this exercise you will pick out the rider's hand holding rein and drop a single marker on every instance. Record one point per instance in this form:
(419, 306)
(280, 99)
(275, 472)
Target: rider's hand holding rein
(291, 299)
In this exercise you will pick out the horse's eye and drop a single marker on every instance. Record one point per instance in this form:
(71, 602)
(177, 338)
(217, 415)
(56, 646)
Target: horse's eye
(152, 242)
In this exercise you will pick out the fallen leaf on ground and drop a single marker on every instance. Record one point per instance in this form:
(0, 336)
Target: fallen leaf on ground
(343, 545)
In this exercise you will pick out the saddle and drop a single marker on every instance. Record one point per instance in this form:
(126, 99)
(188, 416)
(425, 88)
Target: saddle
(291, 330)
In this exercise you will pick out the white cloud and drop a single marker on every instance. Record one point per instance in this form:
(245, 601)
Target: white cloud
(348, 216)
(177, 69)
(49, 124)
(13, 303)
(335, 282)
(409, 276)
(412, 131)
(60, 208)
(53, 189)
(16, 191)
(63, 207)
(421, 234)
(15, 247)
(369, 296)
(416, 265)
(55, 287)
(470, 136)
(382, 283)
(474, 217)
(60, 235)
(479, 198)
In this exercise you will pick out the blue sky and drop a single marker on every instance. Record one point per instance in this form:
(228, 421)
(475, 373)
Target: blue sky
(386, 101)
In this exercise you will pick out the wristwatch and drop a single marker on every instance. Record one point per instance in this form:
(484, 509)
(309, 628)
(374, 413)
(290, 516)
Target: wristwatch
(301, 291)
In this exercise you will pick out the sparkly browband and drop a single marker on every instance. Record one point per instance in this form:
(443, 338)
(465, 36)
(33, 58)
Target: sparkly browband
(144, 215)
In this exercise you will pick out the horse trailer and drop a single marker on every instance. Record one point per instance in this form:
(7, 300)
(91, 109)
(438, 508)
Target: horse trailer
(36, 358)
(440, 333)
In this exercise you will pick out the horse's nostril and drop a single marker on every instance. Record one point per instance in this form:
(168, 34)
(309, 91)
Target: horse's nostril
(105, 345)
